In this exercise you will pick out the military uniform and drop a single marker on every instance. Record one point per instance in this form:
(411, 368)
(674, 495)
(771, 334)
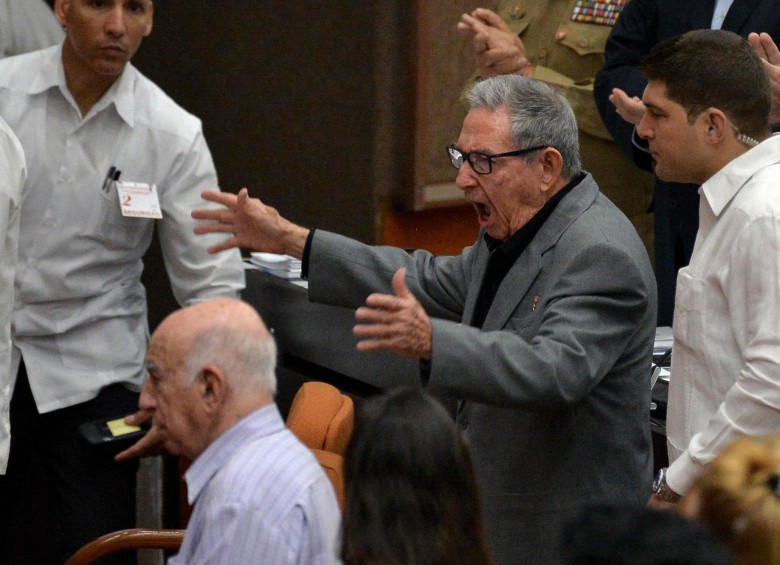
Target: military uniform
(567, 55)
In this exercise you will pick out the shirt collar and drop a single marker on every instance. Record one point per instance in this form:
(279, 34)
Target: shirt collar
(51, 74)
(723, 186)
(260, 423)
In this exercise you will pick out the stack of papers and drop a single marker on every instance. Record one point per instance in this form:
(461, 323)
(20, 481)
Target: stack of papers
(282, 266)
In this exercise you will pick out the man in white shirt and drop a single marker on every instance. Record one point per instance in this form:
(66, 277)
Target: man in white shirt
(707, 105)
(259, 494)
(13, 172)
(84, 117)
(26, 25)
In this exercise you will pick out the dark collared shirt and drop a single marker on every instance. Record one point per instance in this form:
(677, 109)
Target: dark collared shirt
(503, 254)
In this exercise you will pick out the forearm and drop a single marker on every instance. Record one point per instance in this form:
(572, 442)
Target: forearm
(343, 272)
(751, 408)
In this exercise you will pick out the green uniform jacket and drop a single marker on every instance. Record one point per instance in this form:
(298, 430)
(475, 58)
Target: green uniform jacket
(567, 55)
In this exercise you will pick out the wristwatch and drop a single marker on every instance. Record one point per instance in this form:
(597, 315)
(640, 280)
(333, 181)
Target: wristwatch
(663, 490)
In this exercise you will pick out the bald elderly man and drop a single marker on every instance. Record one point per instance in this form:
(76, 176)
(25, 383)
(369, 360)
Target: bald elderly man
(259, 495)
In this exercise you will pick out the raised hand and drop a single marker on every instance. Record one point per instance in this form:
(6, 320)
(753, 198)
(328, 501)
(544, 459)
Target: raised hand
(629, 108)
(765, 47)
(497, 49)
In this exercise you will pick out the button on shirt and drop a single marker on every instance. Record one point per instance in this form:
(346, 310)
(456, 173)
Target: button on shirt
(726, 357)
(12, 175)
(260, 496)
(80, 309)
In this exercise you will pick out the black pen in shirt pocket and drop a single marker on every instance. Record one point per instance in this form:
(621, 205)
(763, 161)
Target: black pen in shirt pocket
(112, 176)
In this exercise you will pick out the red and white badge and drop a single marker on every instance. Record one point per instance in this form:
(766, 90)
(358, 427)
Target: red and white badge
(138, 200)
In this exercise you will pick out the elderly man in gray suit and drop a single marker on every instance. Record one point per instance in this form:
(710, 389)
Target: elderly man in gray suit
(543, 328)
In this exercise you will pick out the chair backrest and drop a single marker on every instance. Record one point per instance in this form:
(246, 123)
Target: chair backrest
(321, 417)
(124, 540)
(333, 465)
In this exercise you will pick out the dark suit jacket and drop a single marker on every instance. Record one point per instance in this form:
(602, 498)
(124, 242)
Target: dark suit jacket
(555, 386)
(644, 23)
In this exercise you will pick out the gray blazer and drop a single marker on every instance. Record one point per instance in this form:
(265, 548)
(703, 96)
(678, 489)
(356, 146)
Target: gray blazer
(555, 387)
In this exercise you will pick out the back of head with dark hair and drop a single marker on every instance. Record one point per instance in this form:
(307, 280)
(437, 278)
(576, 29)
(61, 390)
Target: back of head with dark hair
(613, 535)
(411, 495)
(714, 69)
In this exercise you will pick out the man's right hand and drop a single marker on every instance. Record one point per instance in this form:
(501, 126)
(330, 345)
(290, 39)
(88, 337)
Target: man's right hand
(498, 50)
(252, 225)
(154, 442)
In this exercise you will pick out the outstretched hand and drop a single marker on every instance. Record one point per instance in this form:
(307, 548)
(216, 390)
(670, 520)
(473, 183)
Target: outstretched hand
(631, 109)
(250, 223)
(765, 47)
(395, 322)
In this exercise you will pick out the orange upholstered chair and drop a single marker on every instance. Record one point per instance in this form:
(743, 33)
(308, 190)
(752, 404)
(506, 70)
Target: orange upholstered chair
(323, 418)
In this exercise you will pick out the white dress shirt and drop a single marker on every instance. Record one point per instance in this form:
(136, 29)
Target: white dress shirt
(27, 25)
(719, 13)
(80, 319)
(726, 358)
(261, 497)
(12, 175)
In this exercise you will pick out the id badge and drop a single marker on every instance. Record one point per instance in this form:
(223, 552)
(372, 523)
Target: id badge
(138, 200)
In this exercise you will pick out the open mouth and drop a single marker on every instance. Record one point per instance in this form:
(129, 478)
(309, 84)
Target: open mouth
(483, 213)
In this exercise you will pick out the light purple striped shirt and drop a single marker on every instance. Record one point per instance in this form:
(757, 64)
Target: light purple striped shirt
(260, 496)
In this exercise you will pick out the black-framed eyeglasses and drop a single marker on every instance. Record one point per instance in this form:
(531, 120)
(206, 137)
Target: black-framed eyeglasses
(482, 163)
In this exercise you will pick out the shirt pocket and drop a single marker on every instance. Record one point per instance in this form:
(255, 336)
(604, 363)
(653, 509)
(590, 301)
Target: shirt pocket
(690, 313)
(519, 27)
(113, 229)
(586, 39)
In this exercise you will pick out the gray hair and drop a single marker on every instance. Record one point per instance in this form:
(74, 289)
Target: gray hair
(248, 362)
(538, 116)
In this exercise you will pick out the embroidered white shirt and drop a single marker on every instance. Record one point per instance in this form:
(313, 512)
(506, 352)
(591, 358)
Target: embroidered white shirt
(726, 358)
(80, 319)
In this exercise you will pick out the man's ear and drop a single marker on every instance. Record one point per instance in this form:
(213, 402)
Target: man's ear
(716, 124)
(61, 8)
(149, 26)
(212, 387)
(551, 162)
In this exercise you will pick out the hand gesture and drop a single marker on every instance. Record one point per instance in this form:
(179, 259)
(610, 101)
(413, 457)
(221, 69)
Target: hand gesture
(251, 224)
(395, 321)
(770, 55)
(498, 50)
(629, 108)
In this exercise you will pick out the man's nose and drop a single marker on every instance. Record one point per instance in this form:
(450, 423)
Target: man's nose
(115, 20)
(466, 179)
(643, 128)
(147, 400)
